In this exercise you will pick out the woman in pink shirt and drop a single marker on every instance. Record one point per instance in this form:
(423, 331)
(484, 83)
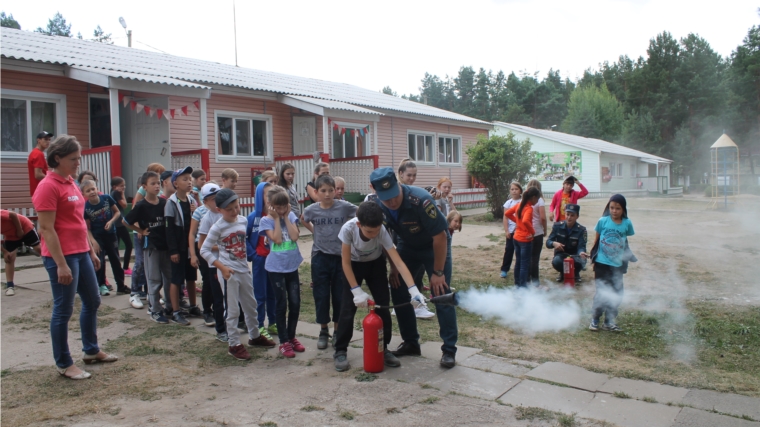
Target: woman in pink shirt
(68, 257)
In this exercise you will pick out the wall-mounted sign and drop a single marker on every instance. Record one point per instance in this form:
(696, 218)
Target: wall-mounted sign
(559, 165)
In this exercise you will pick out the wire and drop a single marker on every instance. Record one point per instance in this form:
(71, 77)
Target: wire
(155, 48)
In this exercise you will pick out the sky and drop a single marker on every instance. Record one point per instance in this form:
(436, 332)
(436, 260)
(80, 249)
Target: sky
(394, 43)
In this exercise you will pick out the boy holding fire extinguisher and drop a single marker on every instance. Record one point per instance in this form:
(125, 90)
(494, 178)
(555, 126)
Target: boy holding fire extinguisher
(365, 245)
(568, 239)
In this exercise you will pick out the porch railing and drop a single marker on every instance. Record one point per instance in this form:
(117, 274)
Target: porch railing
(105, 162)
(466, 198)
(196, 159)
(355, 171)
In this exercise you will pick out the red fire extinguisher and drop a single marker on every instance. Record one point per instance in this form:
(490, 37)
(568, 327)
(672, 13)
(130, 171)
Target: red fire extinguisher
(569, 271)
(374, 344)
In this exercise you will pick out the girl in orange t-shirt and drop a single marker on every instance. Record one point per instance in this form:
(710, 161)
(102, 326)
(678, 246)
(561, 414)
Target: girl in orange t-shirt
(522, 215)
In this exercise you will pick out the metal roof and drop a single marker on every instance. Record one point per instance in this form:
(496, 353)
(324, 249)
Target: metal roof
(140, 77)
(590, 144)
(30, 46)
(334, 105)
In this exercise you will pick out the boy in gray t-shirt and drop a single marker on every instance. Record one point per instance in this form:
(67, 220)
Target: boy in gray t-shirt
(325, 219)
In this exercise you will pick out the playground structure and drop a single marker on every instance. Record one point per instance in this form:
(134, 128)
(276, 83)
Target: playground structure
(724, 171)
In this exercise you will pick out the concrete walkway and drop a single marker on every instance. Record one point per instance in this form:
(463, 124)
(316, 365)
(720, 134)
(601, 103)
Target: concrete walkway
(554, 386)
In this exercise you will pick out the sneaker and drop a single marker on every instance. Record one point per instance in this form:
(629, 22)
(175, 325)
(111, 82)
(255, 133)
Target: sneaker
(208, 319)
(612, 327)
(161, 300)
(261, 341)
(594, 326)
(341, 362)
(324, 337)
(128, 272)
(422, 312)
(158, 318)
(123, 291)
(184, 304)
(109, 286)
(222, 337)
(561, 278)
(297, 346)
(578, 279)
(135, 301)
(272, 329)
(194, 311)
(104, 290)
(179, 319)
(503, 274)
(10, 292)
(407, 349)
(391, 360)
(448, 360)
(264, 333)
(239, 352)
(287, 350)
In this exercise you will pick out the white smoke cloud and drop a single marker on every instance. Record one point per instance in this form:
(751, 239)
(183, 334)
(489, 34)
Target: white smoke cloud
(526, 310)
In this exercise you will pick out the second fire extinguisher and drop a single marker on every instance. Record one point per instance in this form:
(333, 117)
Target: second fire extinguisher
(569, 271)
(374, 341)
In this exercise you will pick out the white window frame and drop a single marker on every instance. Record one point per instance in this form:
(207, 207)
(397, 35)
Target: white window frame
(616, 170)
(435, 145)
(437, 154)
(60, 117)
(234, 115)
(355, 126)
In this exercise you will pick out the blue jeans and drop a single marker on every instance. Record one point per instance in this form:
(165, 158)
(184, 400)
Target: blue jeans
(287, 290)
(139, 281)
(447, 315)
(327, 275)
(522, 263)
(84, 283)
(263, 292)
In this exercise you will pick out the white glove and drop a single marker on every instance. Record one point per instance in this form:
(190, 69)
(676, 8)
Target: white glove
(360, 297)
(417, 299)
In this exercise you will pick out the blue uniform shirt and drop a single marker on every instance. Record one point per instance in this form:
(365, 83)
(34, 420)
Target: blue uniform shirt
(418, 219)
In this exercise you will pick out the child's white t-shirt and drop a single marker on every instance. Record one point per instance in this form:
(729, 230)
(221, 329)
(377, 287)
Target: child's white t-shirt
(508, 204)
(364, 251)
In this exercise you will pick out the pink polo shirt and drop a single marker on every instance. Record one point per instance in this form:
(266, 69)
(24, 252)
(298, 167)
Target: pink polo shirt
(62, 196)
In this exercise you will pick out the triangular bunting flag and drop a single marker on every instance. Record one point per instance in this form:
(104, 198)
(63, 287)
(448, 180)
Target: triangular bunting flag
(132, 105)
(160, 113)
(353, 133)
(121, 97)
(184, 110)
(147, 111)
(342, 131)
(197, 104)
(125, 101)
(171, 113)
(361, 132)
(139, 107)
(335, 126)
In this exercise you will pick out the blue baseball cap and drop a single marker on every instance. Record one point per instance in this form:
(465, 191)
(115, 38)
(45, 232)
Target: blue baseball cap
(384, 182)
(182, 171)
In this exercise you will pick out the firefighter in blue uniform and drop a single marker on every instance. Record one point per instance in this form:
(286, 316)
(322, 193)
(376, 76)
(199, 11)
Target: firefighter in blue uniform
(423, 242)
(568, 238)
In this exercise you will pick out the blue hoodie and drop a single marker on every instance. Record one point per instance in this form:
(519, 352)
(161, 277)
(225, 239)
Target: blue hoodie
(252, 231)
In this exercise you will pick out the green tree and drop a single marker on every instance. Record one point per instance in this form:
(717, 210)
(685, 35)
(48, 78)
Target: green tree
(56, 26)
(101, 37)
(594, 112)
(744, 80)
(496, 162)
(8, 21)
(641, 132)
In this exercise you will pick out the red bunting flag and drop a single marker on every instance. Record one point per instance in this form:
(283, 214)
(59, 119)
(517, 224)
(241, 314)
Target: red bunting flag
(147, 111)
(171, 112)
(121, 97)
(335, 126)
(159, 113)
(197, 104)
(353, 133)
(132, 105)
(342, 131)
(184, 110)
(329, 121)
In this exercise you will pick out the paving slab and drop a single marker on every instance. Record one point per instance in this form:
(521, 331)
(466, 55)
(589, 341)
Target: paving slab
(541, 395)
(629, 412)
(432, 350)
(570, 375)
(640, 389)
(472, 382)
(722, 402)
(412, 369)
(24, 300)
(689, 417)
(495, 364)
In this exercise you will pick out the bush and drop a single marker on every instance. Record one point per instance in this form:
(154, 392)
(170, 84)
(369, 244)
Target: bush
(496, 162)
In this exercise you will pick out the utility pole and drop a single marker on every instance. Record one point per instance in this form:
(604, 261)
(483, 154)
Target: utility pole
(129, 38)
(234, 28)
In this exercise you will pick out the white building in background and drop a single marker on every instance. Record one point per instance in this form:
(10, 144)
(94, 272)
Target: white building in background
(600, 165)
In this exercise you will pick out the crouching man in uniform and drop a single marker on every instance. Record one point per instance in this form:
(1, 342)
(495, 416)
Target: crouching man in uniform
(568, 238)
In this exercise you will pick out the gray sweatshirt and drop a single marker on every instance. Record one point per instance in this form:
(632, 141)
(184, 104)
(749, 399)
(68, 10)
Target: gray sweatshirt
(230, 237)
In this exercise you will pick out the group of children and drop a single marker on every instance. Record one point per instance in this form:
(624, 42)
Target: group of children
(525, 226)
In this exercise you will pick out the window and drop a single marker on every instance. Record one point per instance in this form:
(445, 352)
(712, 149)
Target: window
(100, 121)
(25, 114)
(616, 169)
(345, 145)
(421, 147)
(448, 149)
(242, 136)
